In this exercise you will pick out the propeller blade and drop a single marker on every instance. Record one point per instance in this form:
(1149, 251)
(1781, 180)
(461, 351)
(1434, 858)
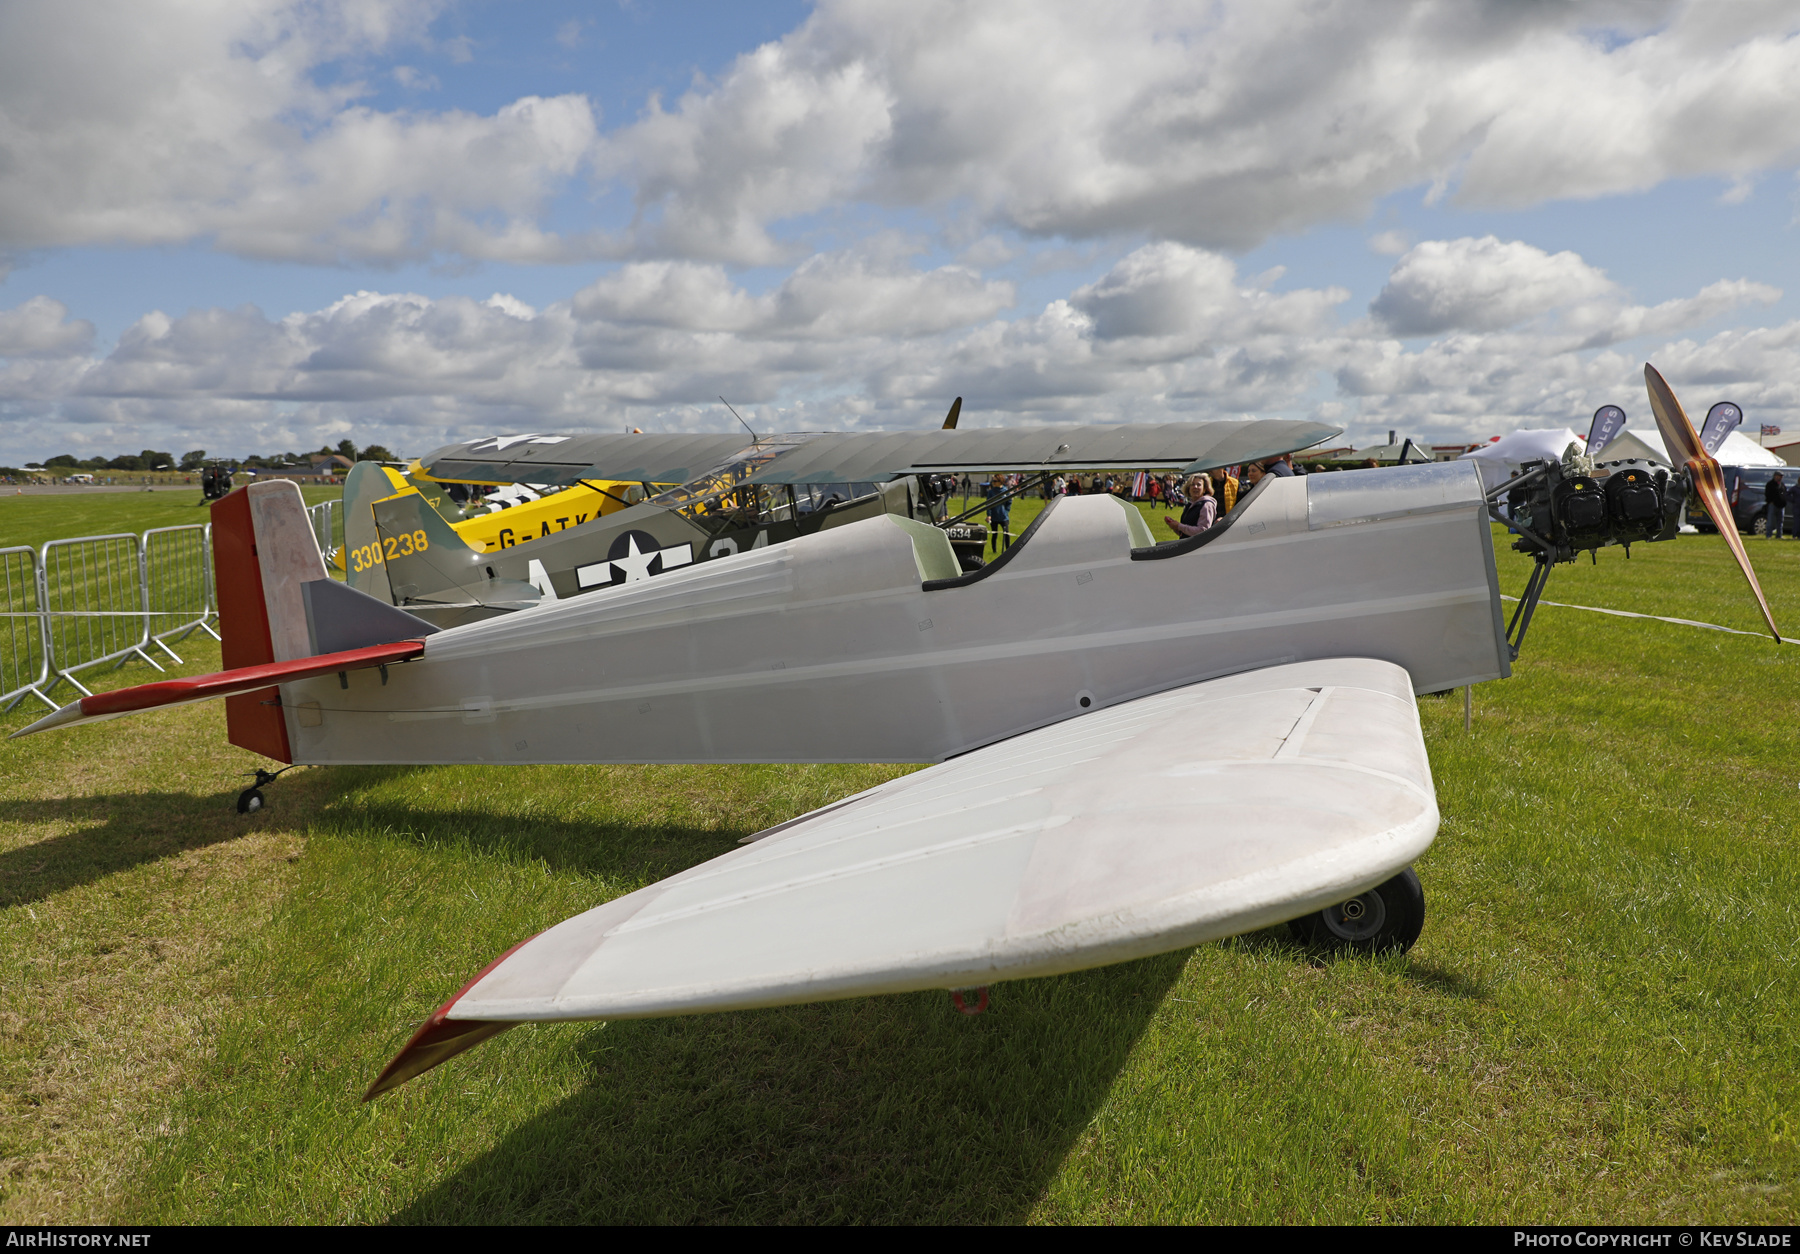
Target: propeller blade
(955, 413)
(1703, 472)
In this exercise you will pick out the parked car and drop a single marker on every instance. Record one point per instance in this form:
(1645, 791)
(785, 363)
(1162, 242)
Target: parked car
(1744, 489)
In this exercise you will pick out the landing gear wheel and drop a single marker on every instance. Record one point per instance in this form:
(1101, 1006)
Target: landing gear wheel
(1386, 919)
(251, 799)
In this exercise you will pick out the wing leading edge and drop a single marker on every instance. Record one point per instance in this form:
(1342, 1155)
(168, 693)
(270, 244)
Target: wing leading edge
(1158, 823)
(875, 456)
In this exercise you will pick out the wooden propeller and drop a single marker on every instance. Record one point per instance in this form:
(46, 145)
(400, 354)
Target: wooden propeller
(1703, 472)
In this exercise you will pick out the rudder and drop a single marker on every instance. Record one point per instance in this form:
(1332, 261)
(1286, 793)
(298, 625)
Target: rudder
(434, 573)
(364, 570)
(263, 550)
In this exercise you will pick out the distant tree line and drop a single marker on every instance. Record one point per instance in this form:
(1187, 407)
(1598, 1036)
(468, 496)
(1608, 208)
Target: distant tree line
(195, 459)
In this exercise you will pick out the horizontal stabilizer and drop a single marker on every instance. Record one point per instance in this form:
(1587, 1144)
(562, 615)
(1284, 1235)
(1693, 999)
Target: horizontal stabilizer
(339, 618)
(123, 701)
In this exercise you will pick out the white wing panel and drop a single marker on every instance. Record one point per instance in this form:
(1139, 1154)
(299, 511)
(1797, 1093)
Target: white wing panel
(1158, 823)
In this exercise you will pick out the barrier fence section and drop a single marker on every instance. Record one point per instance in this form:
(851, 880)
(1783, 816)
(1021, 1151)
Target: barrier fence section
(24, 650)
(92, 592)
(178, 583)
(89, 600)
(328, 526)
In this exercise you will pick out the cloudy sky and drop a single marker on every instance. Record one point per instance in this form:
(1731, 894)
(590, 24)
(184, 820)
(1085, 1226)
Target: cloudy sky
(243, 225)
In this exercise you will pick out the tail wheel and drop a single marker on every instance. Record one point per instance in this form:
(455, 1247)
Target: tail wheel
(1386, 919)
(250, 801)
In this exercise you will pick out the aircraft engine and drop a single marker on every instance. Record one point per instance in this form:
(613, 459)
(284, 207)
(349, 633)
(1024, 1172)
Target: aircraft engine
(1560, 512)
(1634, 504)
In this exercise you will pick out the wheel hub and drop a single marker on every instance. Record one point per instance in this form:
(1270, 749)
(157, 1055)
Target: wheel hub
(1358, 919)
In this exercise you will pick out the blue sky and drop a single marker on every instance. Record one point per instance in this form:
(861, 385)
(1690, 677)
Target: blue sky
(616, 55)
(1391, 217)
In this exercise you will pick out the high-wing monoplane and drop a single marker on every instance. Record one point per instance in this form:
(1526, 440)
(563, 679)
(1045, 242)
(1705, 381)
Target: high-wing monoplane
(732, 496)
(1081, 697)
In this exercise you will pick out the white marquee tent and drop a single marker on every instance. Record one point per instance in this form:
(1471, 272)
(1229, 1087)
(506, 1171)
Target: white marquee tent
(1503, 458)
(1500, 460)
(1738, 449)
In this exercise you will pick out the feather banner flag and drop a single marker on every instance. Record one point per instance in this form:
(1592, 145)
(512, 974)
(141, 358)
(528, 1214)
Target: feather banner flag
(1721, 420)
(1609, 420)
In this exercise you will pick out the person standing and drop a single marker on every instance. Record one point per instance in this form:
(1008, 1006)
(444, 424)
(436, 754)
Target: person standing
(999, 513)
(1227, 489)
(1775, 503)
(1202, 511)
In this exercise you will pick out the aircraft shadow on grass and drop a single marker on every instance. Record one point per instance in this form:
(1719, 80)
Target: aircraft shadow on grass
(119, 832)
(622, 849)
(881, 1109)
(1432, 976)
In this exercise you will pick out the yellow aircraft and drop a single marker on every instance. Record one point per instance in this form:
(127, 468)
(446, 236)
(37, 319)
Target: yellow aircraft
(512, 516)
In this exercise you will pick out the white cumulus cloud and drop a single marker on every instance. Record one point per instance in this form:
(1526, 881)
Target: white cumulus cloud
(41, 328)
(144, 123)
(1215, 126)
(1482, 285)
(869, 338)
(1489, 284)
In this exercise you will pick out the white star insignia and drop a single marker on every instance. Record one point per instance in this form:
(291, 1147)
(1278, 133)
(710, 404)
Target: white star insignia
(500, 443)
(635, 564)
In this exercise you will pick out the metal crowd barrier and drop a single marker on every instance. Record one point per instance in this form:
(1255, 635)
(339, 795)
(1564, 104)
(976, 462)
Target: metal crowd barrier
(178, 583)
(82, 602)
(328, 526)
(24, 649)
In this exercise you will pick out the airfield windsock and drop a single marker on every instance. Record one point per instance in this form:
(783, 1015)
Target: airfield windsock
(1609, 420)
(1721, 420)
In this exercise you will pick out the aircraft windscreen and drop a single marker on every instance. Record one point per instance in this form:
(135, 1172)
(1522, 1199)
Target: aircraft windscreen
(720, 499)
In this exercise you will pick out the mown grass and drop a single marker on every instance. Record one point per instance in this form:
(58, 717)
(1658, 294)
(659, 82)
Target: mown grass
(35, 519)
(1596, 1025)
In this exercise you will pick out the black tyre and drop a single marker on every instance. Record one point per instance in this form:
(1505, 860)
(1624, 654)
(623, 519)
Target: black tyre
(1759, 526)
(1386, 919)
(250, 801)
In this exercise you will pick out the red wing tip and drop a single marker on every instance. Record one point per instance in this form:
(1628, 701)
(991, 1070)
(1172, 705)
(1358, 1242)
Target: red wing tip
(441, 1038)
(436, 1041)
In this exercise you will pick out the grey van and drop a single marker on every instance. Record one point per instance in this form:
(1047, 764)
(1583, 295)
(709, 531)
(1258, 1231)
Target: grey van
(1744, 489)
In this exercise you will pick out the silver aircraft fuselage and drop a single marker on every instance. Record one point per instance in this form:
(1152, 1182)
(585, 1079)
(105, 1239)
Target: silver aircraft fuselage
(863, 644)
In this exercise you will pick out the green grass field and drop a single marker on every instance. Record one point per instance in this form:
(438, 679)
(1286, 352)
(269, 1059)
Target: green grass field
(35, 519)
(1597, 1024)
